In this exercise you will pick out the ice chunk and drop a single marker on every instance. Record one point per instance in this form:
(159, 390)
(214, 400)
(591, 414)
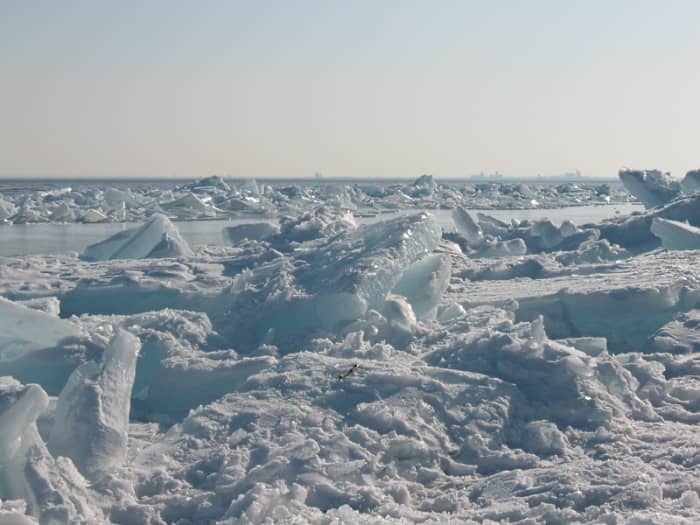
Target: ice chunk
(338, 278)
(117, 198)
(651, 187)
(547, 232)
(676, 235)
(423, 284)
(190, 205)
(63, 213)
(466, 226)
(93, 216)
(92, 412)
(253, 232)
(20, 406)
(53, 491)
(209, 183)
(24, 330)
(491, 225)
(7, 209)
(509, 248)
(157, 238)
(423, 186)
(680, 336)
(567, 229)
(691, 181)
(48, 305)
(399, 315)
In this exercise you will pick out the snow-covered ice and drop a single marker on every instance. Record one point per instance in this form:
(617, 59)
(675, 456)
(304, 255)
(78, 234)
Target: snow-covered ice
(322, 366)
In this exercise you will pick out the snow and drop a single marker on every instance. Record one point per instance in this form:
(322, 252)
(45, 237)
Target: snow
(326, 370)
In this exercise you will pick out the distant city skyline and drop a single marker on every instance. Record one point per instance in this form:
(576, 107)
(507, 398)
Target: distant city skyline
(385, 89)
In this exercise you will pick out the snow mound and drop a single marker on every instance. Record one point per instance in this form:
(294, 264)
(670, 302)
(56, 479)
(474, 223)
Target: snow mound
(158, 238)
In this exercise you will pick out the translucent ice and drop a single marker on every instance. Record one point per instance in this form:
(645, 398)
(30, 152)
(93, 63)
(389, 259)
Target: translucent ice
(466, 226)
(24, 330)
(157, 238)
(423, 284)
(92, 412)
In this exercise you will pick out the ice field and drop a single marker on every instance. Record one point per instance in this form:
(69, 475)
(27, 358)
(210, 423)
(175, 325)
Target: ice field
(330, 352)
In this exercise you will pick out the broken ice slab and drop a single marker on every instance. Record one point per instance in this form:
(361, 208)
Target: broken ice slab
(24, 330)
(624, 301)
(423, 284)
(652, 187)
(328, 280)
(92, 412)
(634, 232)
(691, 181)
(676, 235)
(680, 336)
(466, 226)
(158, 238)
(253, 232)
(20, 406)
(496, 249)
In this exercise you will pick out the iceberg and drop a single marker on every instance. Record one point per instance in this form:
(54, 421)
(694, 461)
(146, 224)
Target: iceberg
(158, 238)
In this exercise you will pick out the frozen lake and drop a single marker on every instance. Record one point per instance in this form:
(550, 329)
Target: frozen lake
(45, 238)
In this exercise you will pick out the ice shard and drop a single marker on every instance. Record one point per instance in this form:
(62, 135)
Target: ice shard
(92, 412)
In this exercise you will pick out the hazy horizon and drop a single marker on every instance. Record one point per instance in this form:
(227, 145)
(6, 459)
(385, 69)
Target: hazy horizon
(351, 90)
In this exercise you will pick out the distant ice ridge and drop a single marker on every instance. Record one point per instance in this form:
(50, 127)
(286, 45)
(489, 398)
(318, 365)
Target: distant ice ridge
(214, 198)
(157, 238)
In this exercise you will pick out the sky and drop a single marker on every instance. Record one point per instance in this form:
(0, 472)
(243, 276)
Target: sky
(375, 88)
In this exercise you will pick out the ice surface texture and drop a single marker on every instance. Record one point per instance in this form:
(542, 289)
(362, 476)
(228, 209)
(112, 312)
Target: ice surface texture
(325, 372)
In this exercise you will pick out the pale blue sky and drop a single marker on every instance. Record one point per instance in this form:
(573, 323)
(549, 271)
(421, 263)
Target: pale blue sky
(350, 89)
